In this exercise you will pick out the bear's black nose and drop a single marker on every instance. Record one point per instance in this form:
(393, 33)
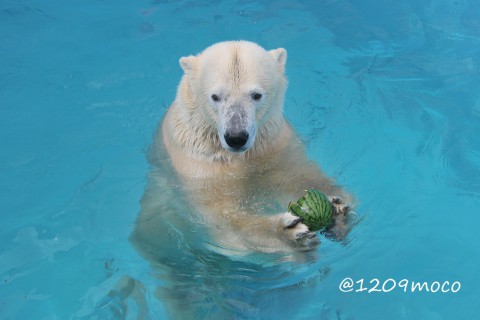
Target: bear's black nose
(236, 140)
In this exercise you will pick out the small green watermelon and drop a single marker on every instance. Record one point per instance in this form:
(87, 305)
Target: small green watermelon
(314, 208)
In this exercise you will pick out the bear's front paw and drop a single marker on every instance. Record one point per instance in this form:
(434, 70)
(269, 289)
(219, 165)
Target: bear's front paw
(339, 206)
(296, 231)
(339, 229)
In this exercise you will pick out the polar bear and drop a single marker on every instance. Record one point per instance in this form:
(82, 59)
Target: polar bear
(225, 151)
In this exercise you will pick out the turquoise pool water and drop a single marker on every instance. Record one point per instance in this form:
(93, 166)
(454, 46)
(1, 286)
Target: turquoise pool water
(385, 93)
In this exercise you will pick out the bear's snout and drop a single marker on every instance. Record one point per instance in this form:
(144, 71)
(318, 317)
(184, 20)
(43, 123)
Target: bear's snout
(237, 127)
(236, 140)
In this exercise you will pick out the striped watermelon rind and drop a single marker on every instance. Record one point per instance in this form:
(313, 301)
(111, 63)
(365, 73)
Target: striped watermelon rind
(314, 208)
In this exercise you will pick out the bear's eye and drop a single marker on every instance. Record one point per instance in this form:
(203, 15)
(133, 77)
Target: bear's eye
(256, 96)
(215, 98)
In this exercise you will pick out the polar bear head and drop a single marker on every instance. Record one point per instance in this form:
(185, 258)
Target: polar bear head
(237, 88)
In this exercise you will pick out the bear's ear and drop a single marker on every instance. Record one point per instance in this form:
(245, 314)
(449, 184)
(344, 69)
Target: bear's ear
(280, 56)
(188, 63)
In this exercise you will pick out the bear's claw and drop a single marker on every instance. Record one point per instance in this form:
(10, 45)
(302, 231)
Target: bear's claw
(298, 232)
(306, 239)
(293, 223)
(308, 235)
